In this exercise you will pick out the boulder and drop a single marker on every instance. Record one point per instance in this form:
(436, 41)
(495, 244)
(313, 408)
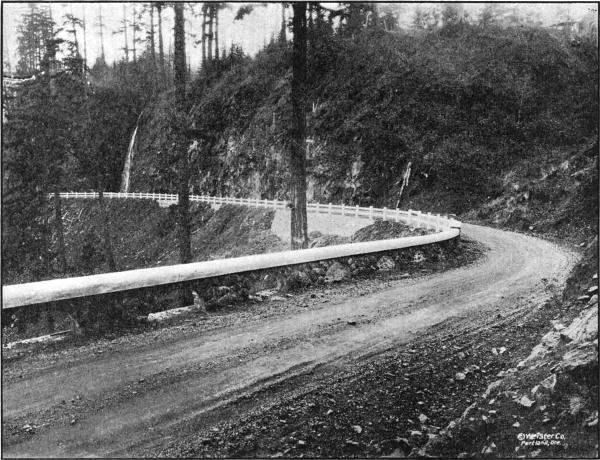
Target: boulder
(549, 341)
(265, 294)
(575, 405)
(297, 279)
(336, 272)
(525, 401)
(386, 263)
(491, 387)
(327, 240)
(319, 271)
(418, 257)
(549, 383)
(584, 327)
(490, 449)
(398, 453)
(223, 290)
(228, 299)
(581, 361)
(361, 271)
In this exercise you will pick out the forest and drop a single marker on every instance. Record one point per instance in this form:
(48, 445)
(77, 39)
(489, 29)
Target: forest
(334, 107)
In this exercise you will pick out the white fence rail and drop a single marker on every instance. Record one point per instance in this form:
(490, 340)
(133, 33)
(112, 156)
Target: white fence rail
(413, 218)
(68, 288)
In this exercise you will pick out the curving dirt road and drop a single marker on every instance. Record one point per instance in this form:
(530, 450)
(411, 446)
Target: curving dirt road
(127, 399)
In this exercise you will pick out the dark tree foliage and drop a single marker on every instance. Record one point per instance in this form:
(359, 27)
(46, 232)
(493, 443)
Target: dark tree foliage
(38, 153)
(61, 132)
(36, 29)
(112, 115)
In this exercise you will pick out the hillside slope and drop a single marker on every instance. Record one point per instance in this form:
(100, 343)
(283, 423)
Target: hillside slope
(480, 113)
(144, 234)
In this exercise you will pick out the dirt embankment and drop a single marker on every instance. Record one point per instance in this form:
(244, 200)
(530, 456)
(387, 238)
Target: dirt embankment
(143, 234)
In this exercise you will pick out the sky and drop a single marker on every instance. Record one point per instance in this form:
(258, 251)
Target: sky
(251, 32)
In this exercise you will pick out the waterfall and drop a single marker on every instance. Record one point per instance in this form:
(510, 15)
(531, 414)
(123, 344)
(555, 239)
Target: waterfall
(128, 160)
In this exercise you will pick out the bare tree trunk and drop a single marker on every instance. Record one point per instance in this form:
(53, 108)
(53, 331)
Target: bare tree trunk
(210, 31)
(203, 35)
(153, 49)
(125, 33)
(60, 233)
(152, 41)
(133, 27)
(161, 49)
(75, 40)
(216, 33)
(45, 238)
(185, 250)
(299, 231)
(282, 33)
(84, 41)
(101, 26)
(108, 250)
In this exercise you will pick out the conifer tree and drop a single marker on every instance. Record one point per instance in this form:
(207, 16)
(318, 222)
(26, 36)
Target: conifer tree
(185, 251)
(299, 230)
(33, 33)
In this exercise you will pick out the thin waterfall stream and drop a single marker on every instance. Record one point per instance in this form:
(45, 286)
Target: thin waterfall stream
(125, 175)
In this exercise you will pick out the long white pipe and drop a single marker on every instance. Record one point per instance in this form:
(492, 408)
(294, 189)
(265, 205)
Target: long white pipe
(59, 289)
(17, 295)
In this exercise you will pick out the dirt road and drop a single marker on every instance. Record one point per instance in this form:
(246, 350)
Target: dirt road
(126, 400)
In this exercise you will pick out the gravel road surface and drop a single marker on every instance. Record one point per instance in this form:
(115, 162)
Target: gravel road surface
(126, 400)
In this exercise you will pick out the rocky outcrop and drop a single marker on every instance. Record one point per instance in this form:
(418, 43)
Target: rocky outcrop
(584, 328)
(565, 366)
(386, 263)
(336, 272)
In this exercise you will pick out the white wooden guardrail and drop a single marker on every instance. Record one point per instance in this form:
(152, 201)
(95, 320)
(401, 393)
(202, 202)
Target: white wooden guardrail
(18, 295)
(413, 218)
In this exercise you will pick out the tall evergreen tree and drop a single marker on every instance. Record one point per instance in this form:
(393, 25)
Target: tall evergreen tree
(123, 30)
(203, 39)
(39, 139)
(282, 32)
(151, 37)
(84, 32)
(135, 29)
(216, 14)
(33, 33)
(161, 47)
(299, 230)
(185, 249)
(209, 34)
(101, 26)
